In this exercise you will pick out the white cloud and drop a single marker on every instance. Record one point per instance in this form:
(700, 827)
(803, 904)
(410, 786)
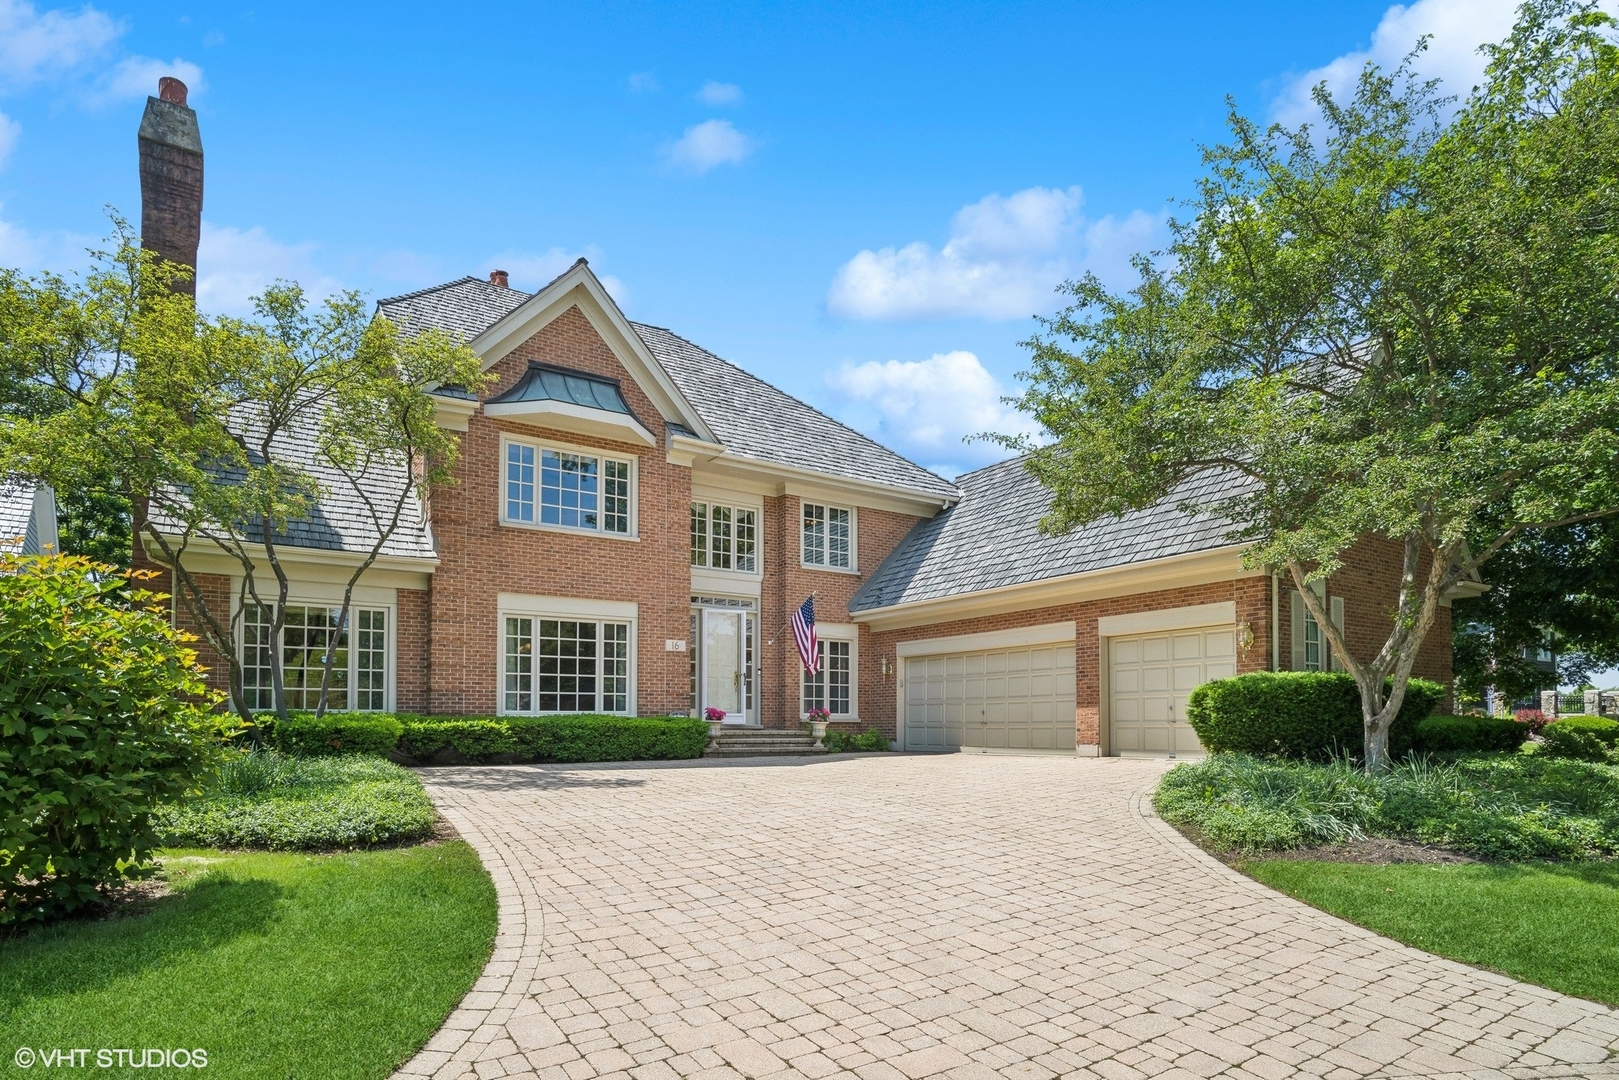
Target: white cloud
(34, 44)
(237, 264)
(10, 132)
(720, 93)
(1456, 29)
(531, 271)
(60, 252)
(711, 143)
(644, 82)
(925, 408)
(1005, 256)
(137, 76)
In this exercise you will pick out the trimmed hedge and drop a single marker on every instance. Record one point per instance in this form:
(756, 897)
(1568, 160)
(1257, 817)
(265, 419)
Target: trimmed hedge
(848, 742)
(1584, 738)
(335, 733)
(575, 738)
(1441, 734)
(1298, 714)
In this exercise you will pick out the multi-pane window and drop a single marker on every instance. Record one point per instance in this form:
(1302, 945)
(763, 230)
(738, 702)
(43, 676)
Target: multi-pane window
(575, 491)
(566, 665)
(828, 533)
(1314, 644)
(309, 633)
(829, 688)
(724, 537)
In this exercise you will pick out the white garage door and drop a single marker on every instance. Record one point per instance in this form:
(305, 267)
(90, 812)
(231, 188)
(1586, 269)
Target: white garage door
(1013, 699)
(1149, 681)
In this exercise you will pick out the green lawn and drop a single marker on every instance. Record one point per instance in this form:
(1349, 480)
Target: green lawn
(279, 965)
(1552, 924)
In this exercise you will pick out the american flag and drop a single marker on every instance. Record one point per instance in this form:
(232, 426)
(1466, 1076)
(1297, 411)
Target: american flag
(804, 633)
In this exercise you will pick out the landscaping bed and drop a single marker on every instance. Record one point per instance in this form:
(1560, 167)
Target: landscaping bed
(278, 802)
(276, 965)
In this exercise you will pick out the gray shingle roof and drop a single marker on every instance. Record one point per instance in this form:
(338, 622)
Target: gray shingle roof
(339, 520)
(992, 539)
(755, 420)
(466, 307)
(751, 418)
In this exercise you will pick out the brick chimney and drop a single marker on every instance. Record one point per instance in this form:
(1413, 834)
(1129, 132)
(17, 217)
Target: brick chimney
(171, 178)
(501, 278)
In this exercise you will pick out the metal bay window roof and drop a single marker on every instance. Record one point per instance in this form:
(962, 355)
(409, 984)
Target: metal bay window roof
(570, 399)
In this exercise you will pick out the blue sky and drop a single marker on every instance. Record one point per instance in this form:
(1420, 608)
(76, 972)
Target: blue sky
(863, 203)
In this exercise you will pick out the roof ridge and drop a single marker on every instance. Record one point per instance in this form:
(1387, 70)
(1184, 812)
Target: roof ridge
(425, 291)
(825, 416)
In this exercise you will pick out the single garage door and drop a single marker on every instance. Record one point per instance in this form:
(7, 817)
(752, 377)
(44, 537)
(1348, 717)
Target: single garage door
(1011, 699)
(1149, 680)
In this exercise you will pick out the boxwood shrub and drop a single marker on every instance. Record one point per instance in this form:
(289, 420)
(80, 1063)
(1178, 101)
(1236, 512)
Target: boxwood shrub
(1441, 734)
(1298, 714)
(568, 738)
(1584, 738)
(335, 733)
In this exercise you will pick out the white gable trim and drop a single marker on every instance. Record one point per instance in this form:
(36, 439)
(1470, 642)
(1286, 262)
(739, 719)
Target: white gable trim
(578, 287)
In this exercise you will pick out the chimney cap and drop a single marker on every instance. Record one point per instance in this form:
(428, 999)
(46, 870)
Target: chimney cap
(501, 278)
(171, 89)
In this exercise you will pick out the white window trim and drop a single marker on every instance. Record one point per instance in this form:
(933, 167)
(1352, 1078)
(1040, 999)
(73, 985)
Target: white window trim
(758, 572)
(355, 604)
(854, 538)
(849, 632)
(567, 609)
(507, 439)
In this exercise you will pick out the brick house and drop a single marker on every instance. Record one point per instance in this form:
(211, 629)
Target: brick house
(634, 519)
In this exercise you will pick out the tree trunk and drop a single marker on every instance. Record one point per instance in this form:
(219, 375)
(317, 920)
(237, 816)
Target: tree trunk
(1376, 742)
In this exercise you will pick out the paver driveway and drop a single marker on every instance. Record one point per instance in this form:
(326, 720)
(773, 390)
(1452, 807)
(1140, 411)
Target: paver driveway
(901, 917)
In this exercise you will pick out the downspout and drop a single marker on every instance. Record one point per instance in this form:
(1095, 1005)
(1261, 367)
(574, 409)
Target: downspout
(1276, 622)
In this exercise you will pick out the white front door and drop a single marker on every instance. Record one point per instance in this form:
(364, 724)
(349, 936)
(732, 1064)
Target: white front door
(724, 663)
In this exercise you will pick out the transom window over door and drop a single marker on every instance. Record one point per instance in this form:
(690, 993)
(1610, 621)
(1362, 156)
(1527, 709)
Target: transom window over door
(546, 486)
(566, 665)
(308, 634)
(725, 537)
(828, 535)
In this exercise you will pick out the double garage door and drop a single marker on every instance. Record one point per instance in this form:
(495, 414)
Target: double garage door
(1023, 698)
(1010, 699)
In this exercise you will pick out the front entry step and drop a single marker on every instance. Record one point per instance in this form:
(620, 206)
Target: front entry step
(761, 742)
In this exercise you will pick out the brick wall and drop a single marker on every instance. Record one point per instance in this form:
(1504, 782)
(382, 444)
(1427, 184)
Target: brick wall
(479, 557)
(412, 656)
(786, 584)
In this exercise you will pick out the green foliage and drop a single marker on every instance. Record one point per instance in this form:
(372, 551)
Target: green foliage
(474, 740)
(275, 802)
(566, 738)
(104, 716)
(1297, 714)
(1583, 738)
(1469, 734)
(334, 733)
(1402, 325)
(279, 965)
(844, 742)
(1497, 806)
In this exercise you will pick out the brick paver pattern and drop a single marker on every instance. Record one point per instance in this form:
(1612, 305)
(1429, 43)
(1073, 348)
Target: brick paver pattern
(905, 917)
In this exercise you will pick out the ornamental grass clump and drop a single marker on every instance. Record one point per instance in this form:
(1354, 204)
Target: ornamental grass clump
(1491, 806)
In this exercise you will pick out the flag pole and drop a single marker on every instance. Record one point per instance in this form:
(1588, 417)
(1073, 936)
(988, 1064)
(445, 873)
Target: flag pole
(789, 621)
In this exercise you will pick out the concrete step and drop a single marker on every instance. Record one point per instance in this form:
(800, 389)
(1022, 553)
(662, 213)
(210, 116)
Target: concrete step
(761, 742)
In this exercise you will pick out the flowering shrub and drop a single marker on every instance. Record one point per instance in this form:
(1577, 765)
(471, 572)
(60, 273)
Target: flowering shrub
(713, 715)
(1533, 719)
(821, 715)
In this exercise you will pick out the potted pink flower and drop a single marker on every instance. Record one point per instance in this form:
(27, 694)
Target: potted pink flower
(817, 719)
(716, 722)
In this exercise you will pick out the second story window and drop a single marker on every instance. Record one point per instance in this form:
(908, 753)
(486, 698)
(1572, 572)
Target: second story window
(828, 536)
(570, 490)
(725, 537)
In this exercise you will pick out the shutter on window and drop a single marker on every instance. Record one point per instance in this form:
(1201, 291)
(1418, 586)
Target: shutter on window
(1298, 629)
(1335, 608)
